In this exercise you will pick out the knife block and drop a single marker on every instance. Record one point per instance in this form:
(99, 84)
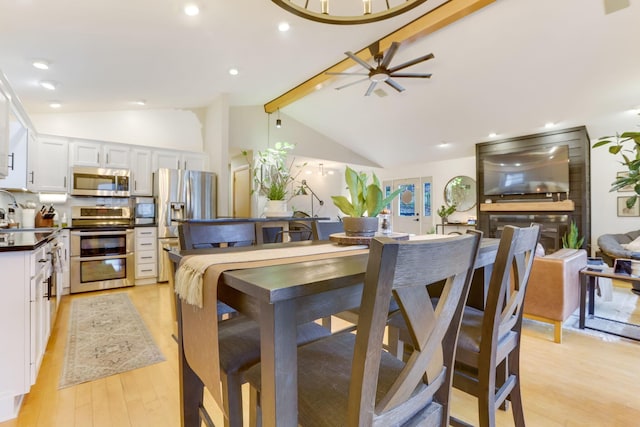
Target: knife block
(41, 221)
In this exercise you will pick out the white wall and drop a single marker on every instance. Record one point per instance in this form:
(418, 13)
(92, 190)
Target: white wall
(171, 128)
(253, 129)
(216, 145)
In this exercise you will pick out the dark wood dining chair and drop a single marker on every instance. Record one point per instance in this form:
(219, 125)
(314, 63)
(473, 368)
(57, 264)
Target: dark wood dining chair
(215, 235)
(238, 336)
(323, 229)
(488, 352)
(349, 380)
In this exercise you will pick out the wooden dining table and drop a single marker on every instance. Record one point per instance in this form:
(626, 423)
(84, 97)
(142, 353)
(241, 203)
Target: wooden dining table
(280, 297)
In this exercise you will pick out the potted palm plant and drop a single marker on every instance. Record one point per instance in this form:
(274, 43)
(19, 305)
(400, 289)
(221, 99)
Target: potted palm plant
(273, 177)
(366, 202)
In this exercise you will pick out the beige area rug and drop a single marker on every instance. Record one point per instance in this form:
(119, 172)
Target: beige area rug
(614, 317)
(106, 336)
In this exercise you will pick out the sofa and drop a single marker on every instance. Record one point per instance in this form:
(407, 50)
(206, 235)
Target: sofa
(611, 246)
(553, 292)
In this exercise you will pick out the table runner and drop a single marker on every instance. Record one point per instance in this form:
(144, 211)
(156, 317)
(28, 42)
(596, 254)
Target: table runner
(197, 281)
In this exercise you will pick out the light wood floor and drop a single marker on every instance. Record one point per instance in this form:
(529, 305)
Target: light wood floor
(586, 381)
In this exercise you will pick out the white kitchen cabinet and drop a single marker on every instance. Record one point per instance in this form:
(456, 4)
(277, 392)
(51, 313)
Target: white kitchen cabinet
(18, 142)
(48, 160)
(15, 341)
(141, 174)
(180, 160)
(98, 154)
(146, 255)
(24, 312)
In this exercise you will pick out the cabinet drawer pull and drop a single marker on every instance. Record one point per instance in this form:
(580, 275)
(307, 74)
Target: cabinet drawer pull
(13, 157)
(147, 270)
(146, 257)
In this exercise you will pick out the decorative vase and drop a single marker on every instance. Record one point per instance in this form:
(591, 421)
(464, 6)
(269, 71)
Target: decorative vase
(360, 226)
(276, 209)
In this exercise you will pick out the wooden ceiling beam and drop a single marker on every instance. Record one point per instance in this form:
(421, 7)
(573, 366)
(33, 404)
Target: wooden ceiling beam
(428, 23)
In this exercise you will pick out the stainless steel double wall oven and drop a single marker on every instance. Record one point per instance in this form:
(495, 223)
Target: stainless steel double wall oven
(102, 248)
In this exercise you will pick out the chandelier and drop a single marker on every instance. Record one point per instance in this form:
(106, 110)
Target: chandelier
(349, 12)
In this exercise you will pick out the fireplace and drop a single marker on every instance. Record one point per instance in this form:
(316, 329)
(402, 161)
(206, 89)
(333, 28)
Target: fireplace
(552, 227)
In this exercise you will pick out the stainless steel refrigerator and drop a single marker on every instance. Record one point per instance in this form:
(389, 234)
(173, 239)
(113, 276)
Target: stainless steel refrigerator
(180, 194)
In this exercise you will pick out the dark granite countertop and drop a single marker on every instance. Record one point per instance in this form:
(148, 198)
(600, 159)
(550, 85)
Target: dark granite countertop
(25, 239)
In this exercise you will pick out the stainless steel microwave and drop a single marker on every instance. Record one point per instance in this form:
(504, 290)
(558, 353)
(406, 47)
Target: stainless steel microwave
(90, 181)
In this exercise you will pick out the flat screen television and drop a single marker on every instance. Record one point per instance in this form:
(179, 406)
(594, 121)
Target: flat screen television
(540, 170)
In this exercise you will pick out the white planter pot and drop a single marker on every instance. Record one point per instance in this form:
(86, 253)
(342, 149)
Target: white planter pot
(276, 209)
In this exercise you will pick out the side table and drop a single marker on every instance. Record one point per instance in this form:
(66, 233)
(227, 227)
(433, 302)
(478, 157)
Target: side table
(588, 279)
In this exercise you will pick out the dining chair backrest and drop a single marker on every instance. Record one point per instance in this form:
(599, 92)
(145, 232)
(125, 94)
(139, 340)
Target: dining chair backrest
(509, 279)
(214, 235)
(488, 352)
(323, 229)
(403, 270)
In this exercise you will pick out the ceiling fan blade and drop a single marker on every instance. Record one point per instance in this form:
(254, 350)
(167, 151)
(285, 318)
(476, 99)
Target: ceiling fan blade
(372, 86)
(394, 85)
(413, 75)
(352, 83)
(389, 55)
(410, 63)
(359, 61)
(333, 73)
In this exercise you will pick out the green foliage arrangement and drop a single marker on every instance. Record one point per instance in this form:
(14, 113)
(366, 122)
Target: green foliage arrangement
(365, 198)
(271, 173)
(572, 238)
(444, 212)
(630, 159)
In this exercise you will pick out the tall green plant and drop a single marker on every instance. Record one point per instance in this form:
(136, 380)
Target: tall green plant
(365, 198)
(572, 238)
(272, 175)
(630, 159)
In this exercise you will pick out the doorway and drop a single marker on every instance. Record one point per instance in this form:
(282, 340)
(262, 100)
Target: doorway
(242, 192)
(411, 210)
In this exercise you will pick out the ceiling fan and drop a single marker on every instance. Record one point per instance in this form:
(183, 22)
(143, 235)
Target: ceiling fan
(382, 72)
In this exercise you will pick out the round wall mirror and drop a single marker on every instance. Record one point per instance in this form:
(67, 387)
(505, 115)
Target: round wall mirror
(461, 192)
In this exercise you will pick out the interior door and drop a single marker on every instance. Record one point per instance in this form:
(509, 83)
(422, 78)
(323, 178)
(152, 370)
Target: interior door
(412, 210)
(242, 192)
(406, 208)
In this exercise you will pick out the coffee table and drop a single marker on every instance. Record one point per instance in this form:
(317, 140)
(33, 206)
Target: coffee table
(588, 279)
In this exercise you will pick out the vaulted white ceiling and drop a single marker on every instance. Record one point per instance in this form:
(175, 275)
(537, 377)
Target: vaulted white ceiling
(509, 68)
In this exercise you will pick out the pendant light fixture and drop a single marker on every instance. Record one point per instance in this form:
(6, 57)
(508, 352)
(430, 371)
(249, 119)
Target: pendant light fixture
(347, 12)
(278, 121)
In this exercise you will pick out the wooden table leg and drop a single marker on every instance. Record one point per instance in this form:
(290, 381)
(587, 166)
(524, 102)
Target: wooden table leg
(583, 298)
(592, 295)
(279, 362)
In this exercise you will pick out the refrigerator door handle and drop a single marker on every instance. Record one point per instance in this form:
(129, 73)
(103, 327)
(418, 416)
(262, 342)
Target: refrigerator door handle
(188, 197)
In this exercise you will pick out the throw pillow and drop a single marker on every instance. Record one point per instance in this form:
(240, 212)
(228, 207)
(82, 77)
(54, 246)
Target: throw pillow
(633, 246)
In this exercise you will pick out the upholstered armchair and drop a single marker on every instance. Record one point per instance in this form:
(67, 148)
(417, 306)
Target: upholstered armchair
(554, 287)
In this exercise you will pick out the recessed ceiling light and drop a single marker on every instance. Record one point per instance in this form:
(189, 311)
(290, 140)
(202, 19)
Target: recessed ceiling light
(141, 102)
(41, 64)
(443, 144)
(55, 104)
(48, 85)
(283, 27)
(549, 125)
(493, 135)
(233, 71)
(191, 9)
